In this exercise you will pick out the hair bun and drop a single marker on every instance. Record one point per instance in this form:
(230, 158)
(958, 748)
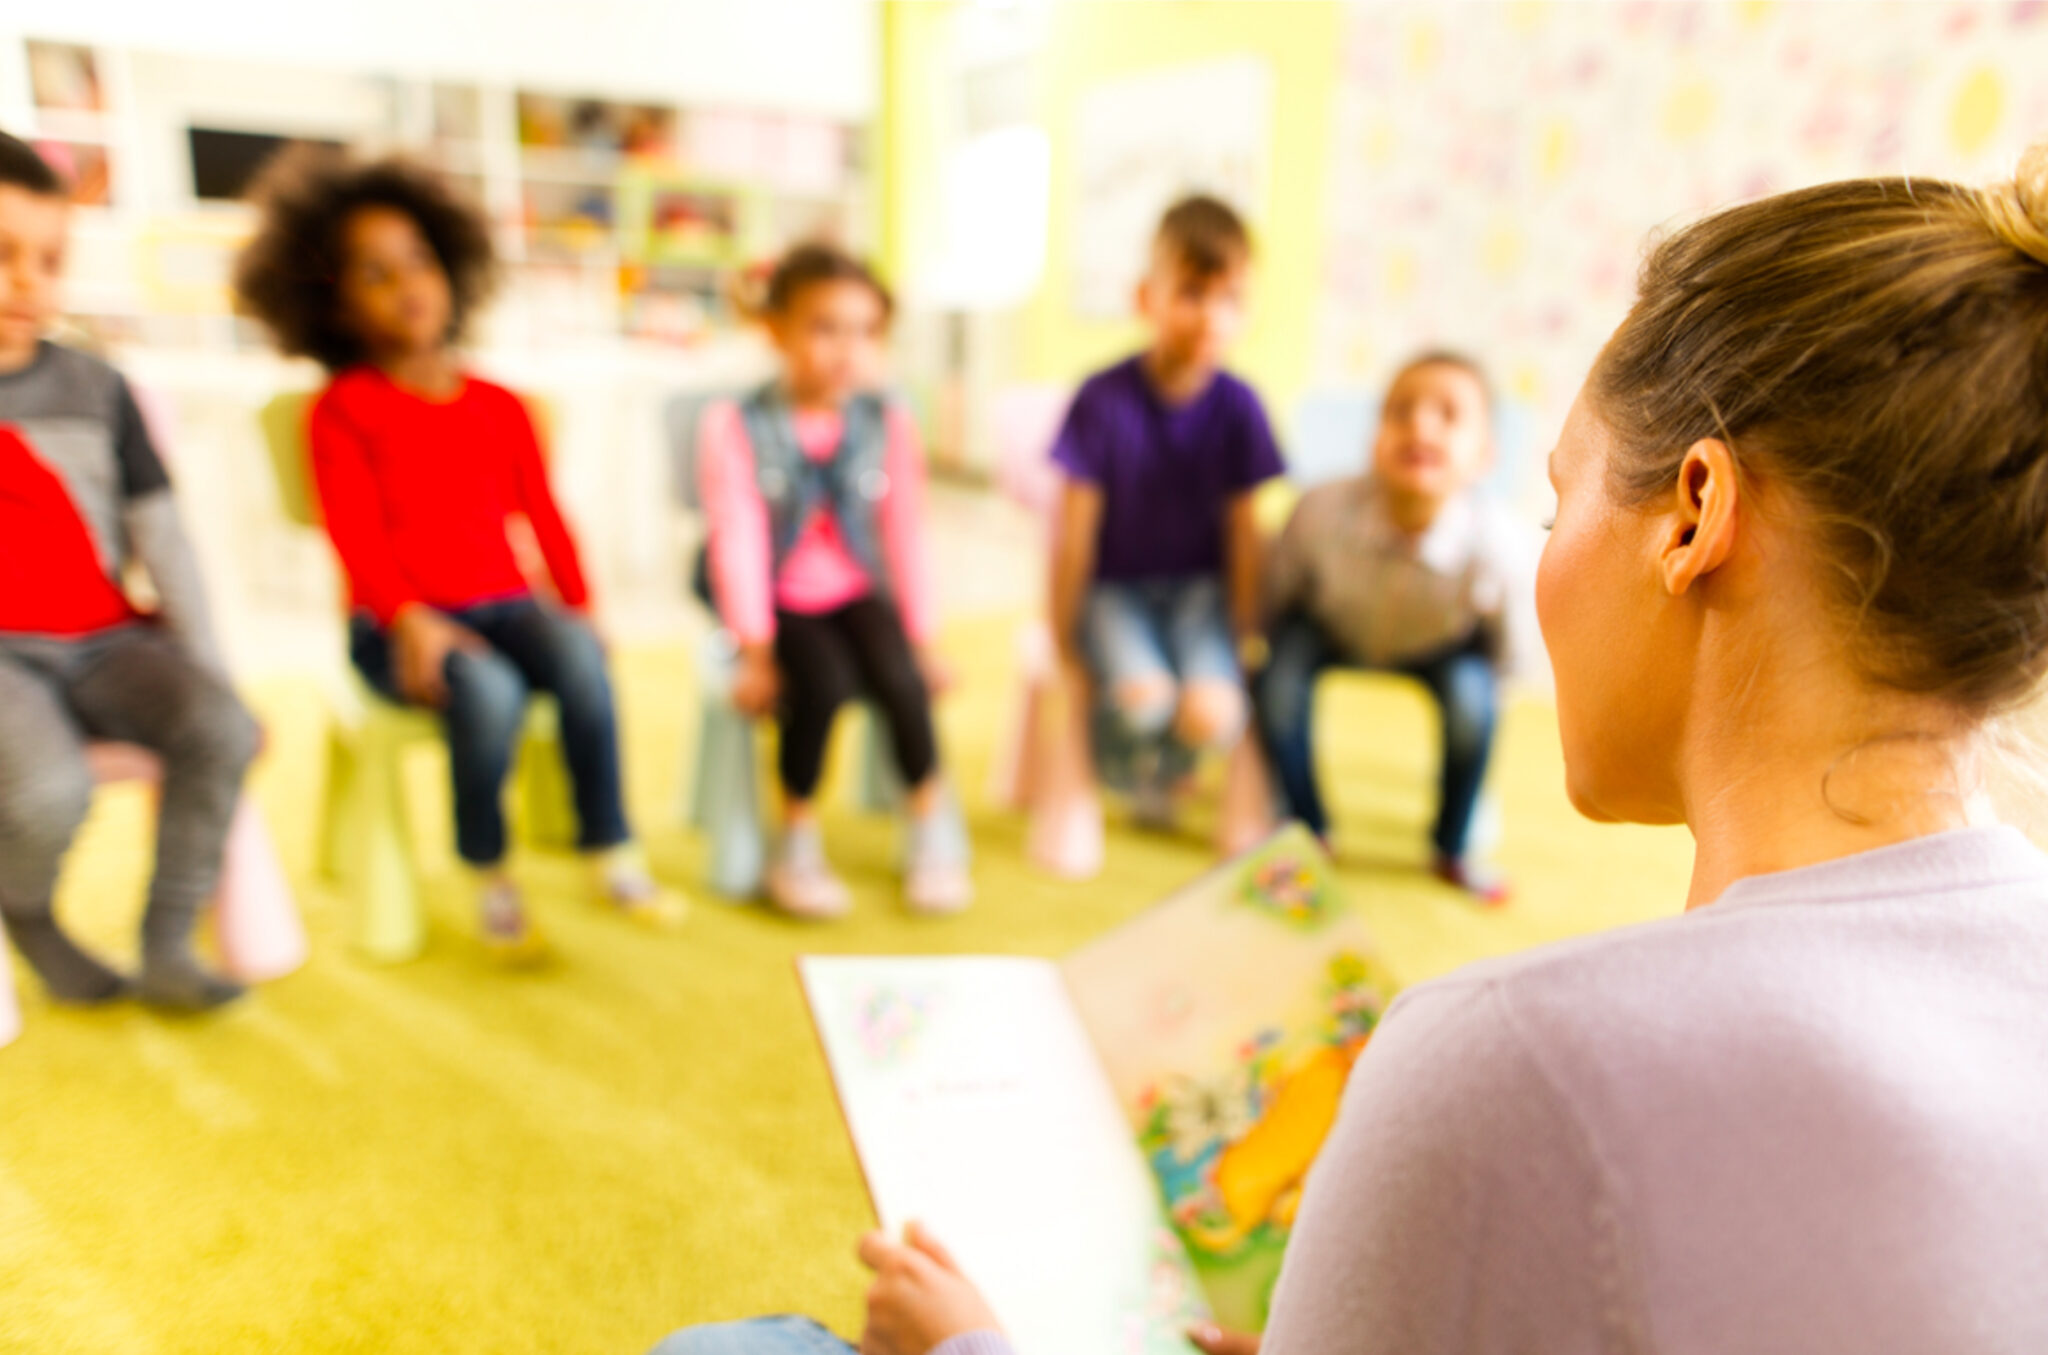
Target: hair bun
(2027, 229)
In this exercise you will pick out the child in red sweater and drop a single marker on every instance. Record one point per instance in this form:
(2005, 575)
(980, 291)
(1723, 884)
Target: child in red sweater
(372, 270)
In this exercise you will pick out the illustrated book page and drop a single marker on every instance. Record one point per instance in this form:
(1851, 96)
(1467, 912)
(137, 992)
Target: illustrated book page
(977, 1108)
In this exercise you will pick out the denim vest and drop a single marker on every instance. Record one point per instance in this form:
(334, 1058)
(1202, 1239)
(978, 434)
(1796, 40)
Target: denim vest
(850, 484)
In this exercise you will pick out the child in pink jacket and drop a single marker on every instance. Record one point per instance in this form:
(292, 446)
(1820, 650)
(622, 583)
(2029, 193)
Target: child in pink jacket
(813, 487)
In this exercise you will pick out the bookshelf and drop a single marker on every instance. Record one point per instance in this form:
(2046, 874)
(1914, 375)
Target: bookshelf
(614, 215)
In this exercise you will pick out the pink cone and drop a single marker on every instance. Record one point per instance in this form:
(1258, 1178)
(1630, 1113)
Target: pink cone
(256, 923)
(10, 1010)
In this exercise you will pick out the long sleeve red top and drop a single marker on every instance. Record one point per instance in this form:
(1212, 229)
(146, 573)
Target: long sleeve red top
(416, 494)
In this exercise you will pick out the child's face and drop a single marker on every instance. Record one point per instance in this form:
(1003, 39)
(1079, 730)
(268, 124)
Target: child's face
(33, 229)
(393, 291)
(1194, 318)
(1435, 433)
(830, 339)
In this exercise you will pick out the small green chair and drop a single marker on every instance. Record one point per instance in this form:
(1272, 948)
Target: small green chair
(365, 835)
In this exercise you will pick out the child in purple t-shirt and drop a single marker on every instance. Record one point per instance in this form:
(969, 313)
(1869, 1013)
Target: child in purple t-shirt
(1156, 556)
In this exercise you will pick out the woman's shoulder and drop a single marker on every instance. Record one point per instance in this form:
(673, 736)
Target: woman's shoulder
(1799, 954)
(1537, 1004)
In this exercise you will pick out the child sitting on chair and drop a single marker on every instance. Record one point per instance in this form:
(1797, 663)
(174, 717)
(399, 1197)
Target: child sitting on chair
(1156, 557)
(373, 270)
(813, 490)
(1402, 569)
(82, 495)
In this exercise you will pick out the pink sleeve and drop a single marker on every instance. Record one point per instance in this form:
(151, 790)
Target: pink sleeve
(905, 548)
(742, 560)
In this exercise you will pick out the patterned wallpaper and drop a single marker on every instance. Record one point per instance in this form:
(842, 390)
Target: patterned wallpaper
(1497, 165)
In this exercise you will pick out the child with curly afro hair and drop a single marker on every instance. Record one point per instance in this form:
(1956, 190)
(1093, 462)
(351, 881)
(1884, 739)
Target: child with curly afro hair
(374, 269)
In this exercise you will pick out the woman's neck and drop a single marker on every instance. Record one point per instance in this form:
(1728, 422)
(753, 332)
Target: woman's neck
(431, 372)
(1821, 777)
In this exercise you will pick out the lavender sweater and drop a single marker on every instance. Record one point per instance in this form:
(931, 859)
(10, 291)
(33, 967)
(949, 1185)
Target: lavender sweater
(1810, 1118)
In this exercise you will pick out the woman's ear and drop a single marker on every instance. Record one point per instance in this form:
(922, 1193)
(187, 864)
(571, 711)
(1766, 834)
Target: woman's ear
(1704, 518)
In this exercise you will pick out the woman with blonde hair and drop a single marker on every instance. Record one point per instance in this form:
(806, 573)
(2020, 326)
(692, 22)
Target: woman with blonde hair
(1800, 562)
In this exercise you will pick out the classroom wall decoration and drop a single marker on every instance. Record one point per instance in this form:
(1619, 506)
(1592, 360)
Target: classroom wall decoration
(1143, 141)
(1496, 167)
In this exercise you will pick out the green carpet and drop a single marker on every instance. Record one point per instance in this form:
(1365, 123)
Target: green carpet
(440, 1156)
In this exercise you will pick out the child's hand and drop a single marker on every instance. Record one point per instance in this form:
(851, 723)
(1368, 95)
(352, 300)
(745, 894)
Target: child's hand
(757, 686)
(939, 677)
(1211, 1339)
(422, 639)
(919, 1297)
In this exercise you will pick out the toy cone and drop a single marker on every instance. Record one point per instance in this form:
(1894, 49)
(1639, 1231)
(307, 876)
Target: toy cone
(256, 922)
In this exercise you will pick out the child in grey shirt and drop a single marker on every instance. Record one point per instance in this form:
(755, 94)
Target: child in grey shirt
(1401, 569)
(83, 495)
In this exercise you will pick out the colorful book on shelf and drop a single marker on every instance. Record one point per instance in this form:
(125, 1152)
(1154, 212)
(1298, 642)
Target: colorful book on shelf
(1113, 1145)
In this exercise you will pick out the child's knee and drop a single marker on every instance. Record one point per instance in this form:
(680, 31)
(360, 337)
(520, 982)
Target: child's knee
(1145, 704)
(40, 811)
(902, 692)
(1211, 714)
(204, 734)
(485, 691)
(218, 731)
(819, 692)
(580, 676)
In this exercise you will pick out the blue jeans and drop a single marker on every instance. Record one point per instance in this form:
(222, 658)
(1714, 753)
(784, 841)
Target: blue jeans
(1173, 629)
(531, 646)
(1461, 679)
(760, 1336)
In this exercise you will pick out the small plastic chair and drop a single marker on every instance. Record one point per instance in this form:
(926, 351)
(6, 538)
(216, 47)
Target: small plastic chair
(366, 840)
(256, 926)
(10, 1006)
(366, 833)
(722, 795)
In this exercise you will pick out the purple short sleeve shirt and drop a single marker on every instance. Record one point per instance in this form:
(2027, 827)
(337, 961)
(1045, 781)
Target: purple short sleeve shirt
(1166, 472)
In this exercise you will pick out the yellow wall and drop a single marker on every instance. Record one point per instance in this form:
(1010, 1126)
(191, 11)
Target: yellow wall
(1089, 41)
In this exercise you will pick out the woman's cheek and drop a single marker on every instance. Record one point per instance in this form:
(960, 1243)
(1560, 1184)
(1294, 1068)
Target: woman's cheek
(1549, 592)
(1560, 597)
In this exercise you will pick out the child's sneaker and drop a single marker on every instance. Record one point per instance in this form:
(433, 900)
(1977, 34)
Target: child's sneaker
(508, 934)
(937, 889)
(1159, 785)
(72, 976)
(173, 978)
(621, 882)
(1485, 884)
(935, 878)
(801, 883)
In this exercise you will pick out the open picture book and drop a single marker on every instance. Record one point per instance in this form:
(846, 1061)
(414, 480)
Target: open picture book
(1113, 1145)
